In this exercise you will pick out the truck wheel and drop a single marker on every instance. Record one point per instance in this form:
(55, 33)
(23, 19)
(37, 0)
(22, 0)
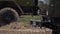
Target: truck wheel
(8, 15)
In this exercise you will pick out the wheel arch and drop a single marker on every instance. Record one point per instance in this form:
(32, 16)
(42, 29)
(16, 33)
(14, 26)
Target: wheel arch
(11, 4)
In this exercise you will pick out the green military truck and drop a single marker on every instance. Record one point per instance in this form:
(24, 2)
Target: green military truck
(54, 11)
(10, 10)
(54, 14)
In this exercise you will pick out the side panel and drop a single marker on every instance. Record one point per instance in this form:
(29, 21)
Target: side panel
(54, 9)
(57, 8)
(51, 8)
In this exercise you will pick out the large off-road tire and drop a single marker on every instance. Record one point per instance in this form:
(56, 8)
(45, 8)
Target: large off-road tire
(8, 15)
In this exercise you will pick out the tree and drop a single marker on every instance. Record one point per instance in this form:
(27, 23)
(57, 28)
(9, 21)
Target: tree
(41, 4)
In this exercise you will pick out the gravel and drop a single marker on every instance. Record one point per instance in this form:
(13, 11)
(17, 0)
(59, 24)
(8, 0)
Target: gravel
(21, 28)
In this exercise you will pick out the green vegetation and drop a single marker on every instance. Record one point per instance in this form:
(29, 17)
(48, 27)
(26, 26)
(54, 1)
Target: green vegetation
(42, 5)
(27, 18)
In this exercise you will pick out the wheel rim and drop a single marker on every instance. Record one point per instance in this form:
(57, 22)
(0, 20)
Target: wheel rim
(8, 16)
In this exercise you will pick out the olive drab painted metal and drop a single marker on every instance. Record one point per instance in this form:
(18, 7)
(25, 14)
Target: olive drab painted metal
(54, 14)
(54, 9)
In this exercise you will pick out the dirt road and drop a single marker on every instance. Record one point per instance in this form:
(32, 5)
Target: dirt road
(26, 31)
(21, 28)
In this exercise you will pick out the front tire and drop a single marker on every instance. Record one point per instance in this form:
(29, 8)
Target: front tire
(8, 15)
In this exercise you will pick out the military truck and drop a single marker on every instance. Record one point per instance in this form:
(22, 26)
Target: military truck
(10, 10)
(52, 20)
(53, 17)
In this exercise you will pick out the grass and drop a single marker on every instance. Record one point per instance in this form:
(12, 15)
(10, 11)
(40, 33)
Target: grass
(27, 18)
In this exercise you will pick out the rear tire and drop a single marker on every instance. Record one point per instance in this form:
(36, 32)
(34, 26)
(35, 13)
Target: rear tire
(8, 15)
